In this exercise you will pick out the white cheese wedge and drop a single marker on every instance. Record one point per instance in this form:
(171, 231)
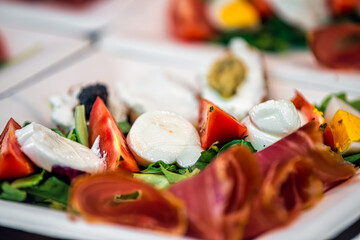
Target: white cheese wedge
(160, 135)
(47, 149)
(270, 121)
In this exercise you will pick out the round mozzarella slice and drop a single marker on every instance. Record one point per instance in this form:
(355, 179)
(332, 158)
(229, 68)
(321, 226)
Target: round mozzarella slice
(276, 117)
(47, 149)
(160, 135)
(270, 121)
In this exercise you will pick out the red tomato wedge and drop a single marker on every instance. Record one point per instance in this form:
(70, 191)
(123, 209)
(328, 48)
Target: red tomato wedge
(112, 141)
(311, 113)
(13, 162)
(4, 55)
(217, 125)
(339, 7)
(188, 20)
(263, 7)
(337, 46)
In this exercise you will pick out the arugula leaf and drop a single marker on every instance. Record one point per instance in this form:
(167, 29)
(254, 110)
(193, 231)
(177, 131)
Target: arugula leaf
(327, 99)
(206, 157)
(11, 193)
(323, 105)
(156, 167)
(72, 135)
(353, 158)
(273, 35)
(57, 131)
(175, 177)
(130, 196)
(52, 189)
(28, 181)
(239, 142)
(26, 123)
(124, 126)
(356, 104)
(158, 181)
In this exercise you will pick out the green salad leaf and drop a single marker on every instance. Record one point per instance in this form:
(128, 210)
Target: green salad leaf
(239, 142)
(273, 35)
(323, 105)
(11, 193)
(28, 181)
(52, 189)
(354, 158)
(156, 167)
(206, 157)
(157, 180)
(175, 177)
(124, 126)
(72, 135)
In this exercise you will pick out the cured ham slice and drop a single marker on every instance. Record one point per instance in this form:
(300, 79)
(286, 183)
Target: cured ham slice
(287, 188)
(296, 170)
(337, 46)
(4, 55)
(306, 142)
(119, 199)
(218, 199)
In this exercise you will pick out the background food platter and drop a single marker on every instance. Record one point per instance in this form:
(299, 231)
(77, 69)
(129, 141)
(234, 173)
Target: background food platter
(119, 54)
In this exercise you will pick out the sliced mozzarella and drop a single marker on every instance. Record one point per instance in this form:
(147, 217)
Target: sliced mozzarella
(160, 135)
(249, 93)
(270, 121)
(47, 149)
(258, 138)
(276, 117)
(159, 91)
(336, 104)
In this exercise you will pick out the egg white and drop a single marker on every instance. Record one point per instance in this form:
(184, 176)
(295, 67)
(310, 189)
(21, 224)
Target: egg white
(249, 93)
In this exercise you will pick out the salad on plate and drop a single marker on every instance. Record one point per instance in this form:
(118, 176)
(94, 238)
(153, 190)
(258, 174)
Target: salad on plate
(230, 173)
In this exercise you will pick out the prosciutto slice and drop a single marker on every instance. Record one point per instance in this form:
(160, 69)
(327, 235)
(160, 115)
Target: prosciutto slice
(287, 188)
(218, 199)
(296, 170)
(107, 198)
(337, 46)
(307, 142)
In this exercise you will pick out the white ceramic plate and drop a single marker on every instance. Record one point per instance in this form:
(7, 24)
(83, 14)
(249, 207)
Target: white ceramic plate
(337, 210)
(34, 51)
(57, 17)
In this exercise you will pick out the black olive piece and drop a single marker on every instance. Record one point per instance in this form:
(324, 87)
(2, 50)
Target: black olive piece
(89, 94)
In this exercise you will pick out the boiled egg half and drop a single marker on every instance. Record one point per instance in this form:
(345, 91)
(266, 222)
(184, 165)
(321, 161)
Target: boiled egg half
(345, 125)
(235, 82)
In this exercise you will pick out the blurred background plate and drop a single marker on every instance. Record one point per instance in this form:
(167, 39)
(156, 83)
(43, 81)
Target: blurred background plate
(32, 52)
(68, 18)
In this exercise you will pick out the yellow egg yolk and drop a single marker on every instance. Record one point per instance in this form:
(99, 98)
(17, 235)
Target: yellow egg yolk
(346, 129)
(238, 14)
